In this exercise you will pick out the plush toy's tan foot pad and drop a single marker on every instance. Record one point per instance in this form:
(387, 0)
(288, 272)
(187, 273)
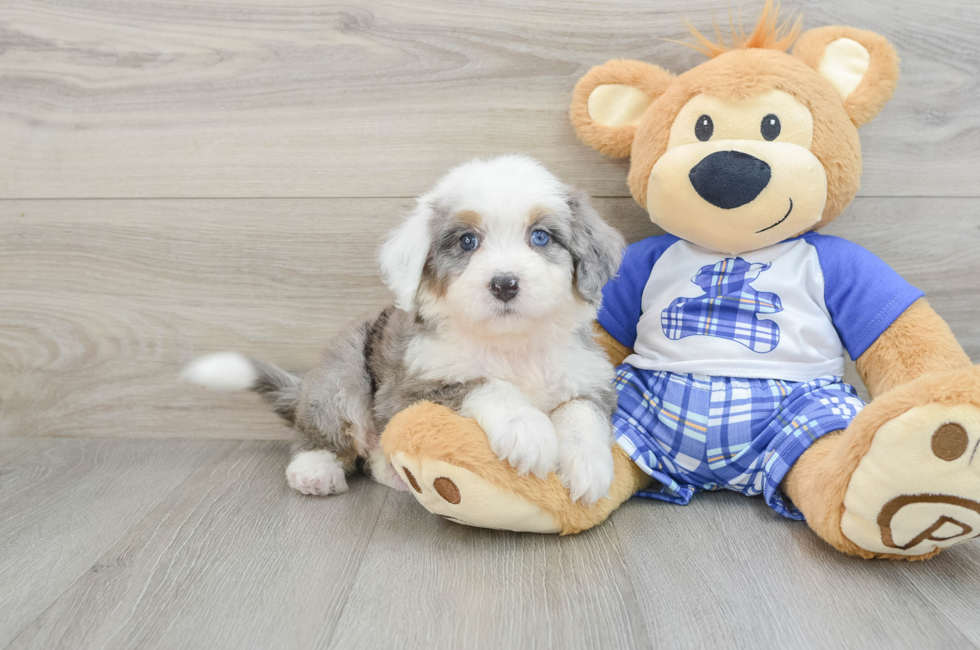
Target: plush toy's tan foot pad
(918, 487)
(462, 496)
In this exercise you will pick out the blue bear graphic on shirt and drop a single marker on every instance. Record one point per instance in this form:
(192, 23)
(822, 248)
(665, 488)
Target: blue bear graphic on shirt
(728, 309)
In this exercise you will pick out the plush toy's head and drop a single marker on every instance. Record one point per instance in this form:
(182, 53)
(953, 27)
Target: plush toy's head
(751, 147)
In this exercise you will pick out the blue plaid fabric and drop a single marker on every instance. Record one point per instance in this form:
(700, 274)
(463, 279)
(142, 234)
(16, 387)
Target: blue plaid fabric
(728, 309)
(694, 433)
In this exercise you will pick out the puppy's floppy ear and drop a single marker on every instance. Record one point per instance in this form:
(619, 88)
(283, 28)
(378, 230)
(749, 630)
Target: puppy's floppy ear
(861, 66)
(596, 247)
(402, 257)
(610, 100)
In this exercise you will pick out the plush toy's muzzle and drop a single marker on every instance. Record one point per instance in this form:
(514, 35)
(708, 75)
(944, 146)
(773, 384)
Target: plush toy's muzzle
(736, 195)
(730, 179)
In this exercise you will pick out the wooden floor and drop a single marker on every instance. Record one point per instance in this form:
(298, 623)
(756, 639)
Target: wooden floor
(200, 544)
(181, 177)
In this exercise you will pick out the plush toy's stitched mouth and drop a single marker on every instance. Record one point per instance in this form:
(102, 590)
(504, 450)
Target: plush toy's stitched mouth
(780, 221)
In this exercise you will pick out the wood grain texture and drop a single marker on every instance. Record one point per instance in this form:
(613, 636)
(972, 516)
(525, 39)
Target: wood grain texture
(231, 559)
(426, 583)
(13, 448)
(240, 98)
(104, 301)
(951, 585)
(66, 502)
(725, 571)
(183, 544)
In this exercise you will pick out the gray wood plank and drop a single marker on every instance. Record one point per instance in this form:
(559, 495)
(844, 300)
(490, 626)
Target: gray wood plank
(13, 448)
(65, 503)
(926, 247)
(725, 571)
(104, 301)
(951, 583)
(231, 559)
(377, 97)
(427, 583)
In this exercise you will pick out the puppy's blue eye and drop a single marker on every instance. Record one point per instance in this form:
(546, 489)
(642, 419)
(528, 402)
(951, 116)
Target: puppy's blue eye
(540, 238)
(468, 242)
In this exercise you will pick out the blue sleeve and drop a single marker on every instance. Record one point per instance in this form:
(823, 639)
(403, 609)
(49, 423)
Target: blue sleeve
(863, 294)
(621, 296)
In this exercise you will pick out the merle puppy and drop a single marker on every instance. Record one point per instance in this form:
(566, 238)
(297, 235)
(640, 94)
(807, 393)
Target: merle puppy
(497, 275)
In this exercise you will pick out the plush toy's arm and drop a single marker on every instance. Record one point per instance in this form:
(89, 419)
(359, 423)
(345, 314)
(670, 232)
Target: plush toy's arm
(616, 351)
(918, 342)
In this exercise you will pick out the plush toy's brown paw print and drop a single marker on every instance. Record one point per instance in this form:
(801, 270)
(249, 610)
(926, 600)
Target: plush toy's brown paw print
(451, 470)
(466, 498)
(916, 489)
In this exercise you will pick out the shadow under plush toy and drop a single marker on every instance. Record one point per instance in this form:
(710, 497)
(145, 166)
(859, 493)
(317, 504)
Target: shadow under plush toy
(733, 379)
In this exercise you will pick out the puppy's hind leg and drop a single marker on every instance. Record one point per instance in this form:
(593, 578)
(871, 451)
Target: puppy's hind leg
(317, 472)
(381, 470)
(333, 419)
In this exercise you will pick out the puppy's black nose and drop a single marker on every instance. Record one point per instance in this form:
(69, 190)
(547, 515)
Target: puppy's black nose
(504, 286)
(728, 179)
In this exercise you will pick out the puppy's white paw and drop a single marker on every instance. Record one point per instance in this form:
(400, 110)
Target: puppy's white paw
(383, 471)
(316, 472)
(526, 439)
(586, 470)
(585, 462)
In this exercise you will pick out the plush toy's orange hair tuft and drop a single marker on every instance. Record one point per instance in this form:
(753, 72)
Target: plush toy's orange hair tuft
(769, 33)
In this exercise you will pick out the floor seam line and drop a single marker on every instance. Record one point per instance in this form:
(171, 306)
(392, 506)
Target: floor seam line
(357, 573)
(629, 574)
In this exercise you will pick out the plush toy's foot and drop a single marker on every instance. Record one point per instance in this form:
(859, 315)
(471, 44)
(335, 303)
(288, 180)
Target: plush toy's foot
(903, 481)
(452, 471)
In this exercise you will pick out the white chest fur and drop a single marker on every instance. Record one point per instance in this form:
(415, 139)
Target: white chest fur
(547, 370)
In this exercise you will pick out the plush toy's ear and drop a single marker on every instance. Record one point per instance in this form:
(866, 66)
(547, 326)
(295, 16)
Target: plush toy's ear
(862, 66)
(610, 100)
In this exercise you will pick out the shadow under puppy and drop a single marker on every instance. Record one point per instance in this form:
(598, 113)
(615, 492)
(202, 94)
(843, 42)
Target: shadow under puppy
(497, 273)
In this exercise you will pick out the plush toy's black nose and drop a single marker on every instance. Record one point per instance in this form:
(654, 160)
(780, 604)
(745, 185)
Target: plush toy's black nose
(504, 286)
(728, 179)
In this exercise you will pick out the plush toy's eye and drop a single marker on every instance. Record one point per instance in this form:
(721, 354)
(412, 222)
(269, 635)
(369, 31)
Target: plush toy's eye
(468, 242)
(704, 128)
(771, 127)
(540, 238)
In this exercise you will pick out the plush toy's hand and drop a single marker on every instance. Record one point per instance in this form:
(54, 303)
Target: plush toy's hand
(518, 432)
(585, 463)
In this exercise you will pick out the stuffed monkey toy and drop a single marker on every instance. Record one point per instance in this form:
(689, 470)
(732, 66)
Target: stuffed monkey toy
(729, 331)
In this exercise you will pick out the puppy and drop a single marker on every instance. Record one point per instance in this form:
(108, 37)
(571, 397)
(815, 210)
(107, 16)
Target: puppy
(497, 275)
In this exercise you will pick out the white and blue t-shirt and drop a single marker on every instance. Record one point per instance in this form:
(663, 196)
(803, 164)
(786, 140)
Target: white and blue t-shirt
(786, 311)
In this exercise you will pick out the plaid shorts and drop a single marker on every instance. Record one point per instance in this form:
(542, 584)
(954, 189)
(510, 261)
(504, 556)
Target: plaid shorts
(693, 433)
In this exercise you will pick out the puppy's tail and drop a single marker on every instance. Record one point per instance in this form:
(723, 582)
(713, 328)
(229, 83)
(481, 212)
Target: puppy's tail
(231, 371)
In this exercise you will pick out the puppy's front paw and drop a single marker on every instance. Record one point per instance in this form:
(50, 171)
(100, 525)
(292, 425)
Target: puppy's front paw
(316, 472)
(585, 462)
(524, 438)
(586, 470)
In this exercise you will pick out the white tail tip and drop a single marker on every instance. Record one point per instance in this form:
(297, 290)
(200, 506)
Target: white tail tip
(221, 371)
